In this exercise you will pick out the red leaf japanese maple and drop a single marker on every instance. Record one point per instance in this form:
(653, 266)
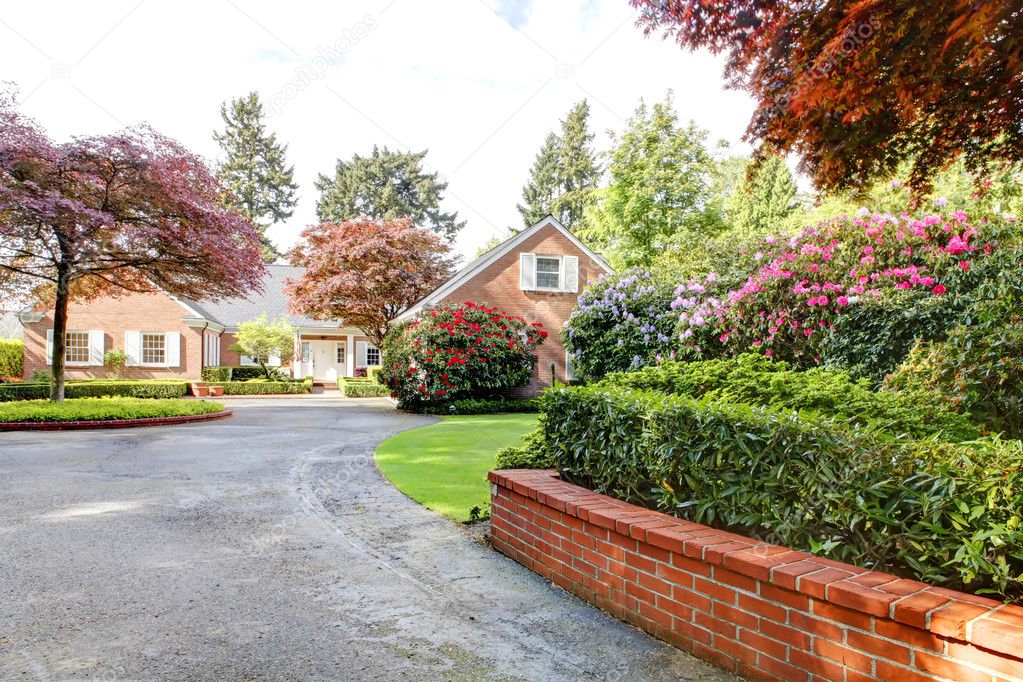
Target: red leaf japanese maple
(856, 86)
(365, 272)
(128, 212)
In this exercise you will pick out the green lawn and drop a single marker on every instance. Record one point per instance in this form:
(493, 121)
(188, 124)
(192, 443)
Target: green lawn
(444, 466)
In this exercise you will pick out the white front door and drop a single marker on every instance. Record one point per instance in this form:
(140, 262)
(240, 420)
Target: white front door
(328, 360)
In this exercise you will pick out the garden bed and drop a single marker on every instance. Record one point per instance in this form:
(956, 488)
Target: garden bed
(760, 610)
(98, 413)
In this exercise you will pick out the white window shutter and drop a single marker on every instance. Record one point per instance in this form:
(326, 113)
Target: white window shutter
(527, 271)
(360, 353)
(569, 370)
(133, 348)
(570, 264)
(172, 348)
(49, 346)
(96, 347)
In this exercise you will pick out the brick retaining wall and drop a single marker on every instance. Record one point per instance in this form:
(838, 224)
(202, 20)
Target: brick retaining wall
(762, 611)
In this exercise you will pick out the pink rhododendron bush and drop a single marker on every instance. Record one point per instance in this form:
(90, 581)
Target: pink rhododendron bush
(790, 304)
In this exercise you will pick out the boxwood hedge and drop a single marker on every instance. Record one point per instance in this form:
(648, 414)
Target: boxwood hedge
(95, 409)
(91, 389)
(756, 380)
(263, 387)
(362, 387)
(11, 354)
(945, 513)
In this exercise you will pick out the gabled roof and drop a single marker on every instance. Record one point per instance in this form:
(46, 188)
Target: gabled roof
(478, 265)
(273, 301)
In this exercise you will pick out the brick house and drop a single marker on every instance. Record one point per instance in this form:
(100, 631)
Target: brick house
(537, 274)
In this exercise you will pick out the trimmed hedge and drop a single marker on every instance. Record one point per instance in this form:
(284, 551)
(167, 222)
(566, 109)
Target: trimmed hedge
(224, 373)
(375, 374)
(362, 387)
(95, 409)
(94, 389)
(11, 358)
(263, 387)
(530, 453)
(944, 513)
(756, 380)
(481, 406)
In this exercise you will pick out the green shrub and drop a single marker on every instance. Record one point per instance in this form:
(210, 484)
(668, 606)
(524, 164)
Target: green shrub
(218, 374)
(11, 357)
(530, 453)
(977, 370)
(237, 373)
(362, 387)
(375, 374)
(457, 351)
(482, 406)
(622, 321)
(138, 388)
(944, 513)
(755, 380)
(89, 409)
(264, 387)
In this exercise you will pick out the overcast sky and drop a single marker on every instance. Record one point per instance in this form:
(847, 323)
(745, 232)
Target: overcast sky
(477, 82)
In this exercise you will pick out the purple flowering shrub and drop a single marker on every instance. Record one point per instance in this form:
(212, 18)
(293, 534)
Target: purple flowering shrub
(622, 322)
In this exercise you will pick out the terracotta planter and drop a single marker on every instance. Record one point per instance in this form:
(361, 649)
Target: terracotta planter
(216, 391)
(199, 389)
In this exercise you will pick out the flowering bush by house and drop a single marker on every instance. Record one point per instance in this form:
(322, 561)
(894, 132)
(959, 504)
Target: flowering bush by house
(459, 351)
(622, 322)
(789, 304)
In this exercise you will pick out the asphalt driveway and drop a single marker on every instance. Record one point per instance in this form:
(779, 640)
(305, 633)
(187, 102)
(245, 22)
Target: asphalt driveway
(267, 546)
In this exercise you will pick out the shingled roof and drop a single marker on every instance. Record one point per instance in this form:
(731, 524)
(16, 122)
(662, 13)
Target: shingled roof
(273, 301)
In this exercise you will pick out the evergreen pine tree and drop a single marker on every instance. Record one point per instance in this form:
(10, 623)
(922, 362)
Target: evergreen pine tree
(564, 174)
(763, 203)
(386, 185)
(254, 168)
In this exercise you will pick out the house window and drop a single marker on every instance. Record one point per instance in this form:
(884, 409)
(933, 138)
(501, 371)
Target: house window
(307, 352)
(548, 272)
(340, 354)
(372, 356)
(76, 348)
(154, 349)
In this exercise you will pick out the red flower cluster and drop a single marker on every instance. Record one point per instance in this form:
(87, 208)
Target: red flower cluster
(462, 350)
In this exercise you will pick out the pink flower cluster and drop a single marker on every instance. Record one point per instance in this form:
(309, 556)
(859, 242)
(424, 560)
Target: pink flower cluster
(808, 279)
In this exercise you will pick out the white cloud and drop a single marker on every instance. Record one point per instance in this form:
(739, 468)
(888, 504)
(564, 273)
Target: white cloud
(478, 82)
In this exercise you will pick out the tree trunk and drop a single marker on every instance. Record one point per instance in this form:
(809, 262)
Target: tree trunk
(59, 335)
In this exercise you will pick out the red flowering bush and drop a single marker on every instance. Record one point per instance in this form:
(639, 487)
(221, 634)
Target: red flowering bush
(459, 351)
(807, 281)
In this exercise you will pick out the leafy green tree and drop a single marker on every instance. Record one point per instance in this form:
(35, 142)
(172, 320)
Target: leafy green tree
(386, 185)
(254, 168)
(261, 338)
(565, 172)
(659, 188)
(765, 200)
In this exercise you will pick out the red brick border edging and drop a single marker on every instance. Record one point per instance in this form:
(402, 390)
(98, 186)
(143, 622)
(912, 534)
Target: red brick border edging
(115, 423)
(763, 611)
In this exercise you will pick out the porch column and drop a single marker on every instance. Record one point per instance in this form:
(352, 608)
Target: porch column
(350, 356)
(296, 360)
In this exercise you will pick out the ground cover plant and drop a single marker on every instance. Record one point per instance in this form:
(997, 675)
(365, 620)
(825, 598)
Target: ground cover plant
(97, 409)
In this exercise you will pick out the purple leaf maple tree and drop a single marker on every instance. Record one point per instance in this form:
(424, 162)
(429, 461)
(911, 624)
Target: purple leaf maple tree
(105, 215)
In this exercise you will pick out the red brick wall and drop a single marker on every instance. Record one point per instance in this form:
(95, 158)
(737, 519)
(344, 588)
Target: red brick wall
(155, 312)
(761, 611)
(498, 285)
